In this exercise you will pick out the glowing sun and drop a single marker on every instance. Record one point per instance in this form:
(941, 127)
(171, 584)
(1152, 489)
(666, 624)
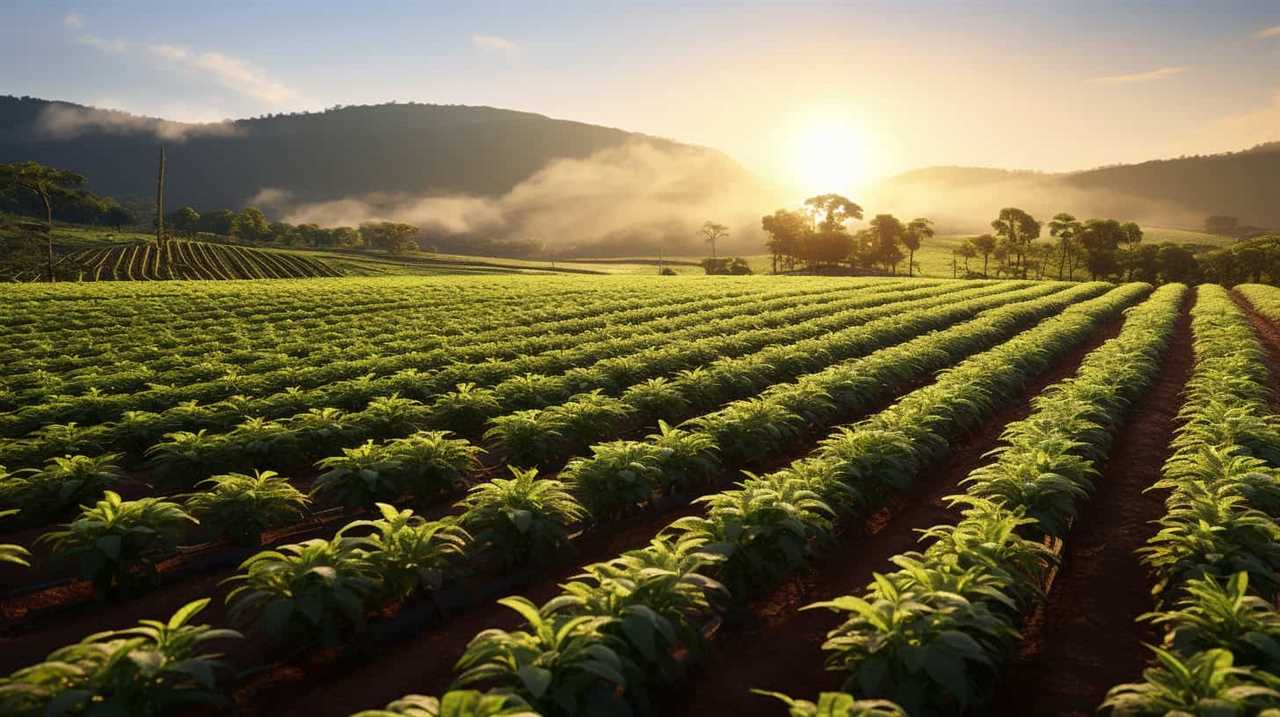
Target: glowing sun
(830, 156)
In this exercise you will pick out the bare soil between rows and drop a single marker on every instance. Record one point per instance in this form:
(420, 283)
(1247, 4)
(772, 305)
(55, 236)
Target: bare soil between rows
(1085, 639)
(774, 645)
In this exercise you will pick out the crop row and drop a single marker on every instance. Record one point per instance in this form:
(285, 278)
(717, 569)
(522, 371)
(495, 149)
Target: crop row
(276, 567)
(1216, 557)
(614, 636)
(362, 337)
(933, 634)
(207, 382)
(606, 368)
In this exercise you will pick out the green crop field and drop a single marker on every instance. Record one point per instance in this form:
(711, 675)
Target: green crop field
(614, 495)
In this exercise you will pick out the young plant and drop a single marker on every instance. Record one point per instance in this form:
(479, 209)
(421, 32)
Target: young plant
(62, 484)
(465, 409)
(156, 668)
(184, 455)
(13, 553)
(1206, 683)
(408, 552)
(430, 463)
(241, 507)
(455, 703)
(520, 518)
(1223, 614)
(358, 478)
(618, 476)
(562, 665)
(118, 542)
(836, 704)
(314, 590)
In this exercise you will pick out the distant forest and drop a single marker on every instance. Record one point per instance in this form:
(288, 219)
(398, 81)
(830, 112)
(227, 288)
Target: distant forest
(341, 152)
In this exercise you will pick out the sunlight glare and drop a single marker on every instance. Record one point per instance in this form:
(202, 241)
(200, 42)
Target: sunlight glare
(830, 155)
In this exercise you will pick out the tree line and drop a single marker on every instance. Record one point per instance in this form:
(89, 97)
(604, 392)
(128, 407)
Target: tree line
(251, 225)
(818, 235)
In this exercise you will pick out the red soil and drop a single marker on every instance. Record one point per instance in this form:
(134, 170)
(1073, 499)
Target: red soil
(1086, 640)
(773, 645)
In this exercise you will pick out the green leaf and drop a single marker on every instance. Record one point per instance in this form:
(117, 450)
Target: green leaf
(536, 680)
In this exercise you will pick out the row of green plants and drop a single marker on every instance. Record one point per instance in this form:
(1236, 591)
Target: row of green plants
(210, 382)
(258, 442)
(254, 319)
(933, 634)
(1216, 556)
(619, 477)
(543, 437)
(619, 633)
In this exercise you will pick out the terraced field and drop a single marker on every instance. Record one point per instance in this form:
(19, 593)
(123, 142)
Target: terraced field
(181, 259)
(626, 495)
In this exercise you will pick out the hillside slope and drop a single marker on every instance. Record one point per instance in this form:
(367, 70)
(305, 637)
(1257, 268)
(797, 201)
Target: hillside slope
(180, 259)
(1177, 192)
(338, 153)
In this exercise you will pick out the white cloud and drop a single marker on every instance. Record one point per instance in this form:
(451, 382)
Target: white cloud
(1161, 73)
(1273, 31)
(493, 43)
(63, 121)
(73, 21)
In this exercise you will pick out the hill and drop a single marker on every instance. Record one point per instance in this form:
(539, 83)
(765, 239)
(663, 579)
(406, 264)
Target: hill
(341, 152)
(1168, 192)
(181, 259)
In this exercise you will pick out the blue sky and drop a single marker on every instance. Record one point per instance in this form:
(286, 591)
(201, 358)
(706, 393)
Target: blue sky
(1042, 85)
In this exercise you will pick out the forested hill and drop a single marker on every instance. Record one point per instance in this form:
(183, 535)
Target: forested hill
(1173, 192)
(342, 152)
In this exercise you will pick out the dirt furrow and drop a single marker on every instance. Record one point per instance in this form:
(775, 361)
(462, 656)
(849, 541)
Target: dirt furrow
(1086, 639)
(771, 644)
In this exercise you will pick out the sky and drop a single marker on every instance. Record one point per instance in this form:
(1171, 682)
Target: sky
(804, 93)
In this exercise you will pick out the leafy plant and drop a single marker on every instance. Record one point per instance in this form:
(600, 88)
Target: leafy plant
(408, 552)
(241, 507)
(521, 518)
(118, 542)
(1205, 683)
(298, 593)
(836, 704)
(465, 409)
(358, 478)
(13, 553)
(616, 478)
(455, 703)
(430, 463)
(156, 668)
(1215, 614)
(562, 665)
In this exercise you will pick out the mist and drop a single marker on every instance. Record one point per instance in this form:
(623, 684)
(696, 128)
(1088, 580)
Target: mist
(958, 206)
(65, 122)
(635, 199)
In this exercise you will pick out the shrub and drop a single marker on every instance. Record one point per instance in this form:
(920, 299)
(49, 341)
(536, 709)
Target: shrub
(465, 409)
(301, 592)
(62, 484)
(156, 668)
(409, 552)
(240, 506)
(117, 539)
(358, 478)
(430, 463)
(521, 518)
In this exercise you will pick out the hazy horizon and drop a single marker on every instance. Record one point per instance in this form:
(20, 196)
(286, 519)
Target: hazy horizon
(810, 96)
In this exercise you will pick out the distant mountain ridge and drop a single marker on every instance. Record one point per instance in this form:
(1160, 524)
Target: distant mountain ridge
(1182, 191)
(319, 156)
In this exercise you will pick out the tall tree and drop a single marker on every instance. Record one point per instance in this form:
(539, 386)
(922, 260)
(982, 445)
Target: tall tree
(830, 240)
(831, 210)
(966, 251)
(917, 231)
(251, 224)
(1065, 228)
(1018, 229)
(45, 182)
(787, 232)
(185, 220)
(1100, 239)
(985, 245)
(711, 233)
(888, 231)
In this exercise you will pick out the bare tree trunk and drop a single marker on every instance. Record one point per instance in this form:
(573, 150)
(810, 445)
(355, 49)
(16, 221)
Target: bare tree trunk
(160, 201)
(911, 263)
(48, 236)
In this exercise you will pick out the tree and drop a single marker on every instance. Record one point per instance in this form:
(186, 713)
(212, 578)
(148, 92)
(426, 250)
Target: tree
(831, 210)
(967, 251)
(888, 231)
(1066, 228)
(251, 225)
(45, 182)
(711, 233)
(787, 232)
(985, 245)
(1018, 229)
(1130, 235)
(1219, 224)
(1178, 263)
(392, 237)
(917, 231)
(1100, 239)
(186, 220)
(830, 240)
(218, 221)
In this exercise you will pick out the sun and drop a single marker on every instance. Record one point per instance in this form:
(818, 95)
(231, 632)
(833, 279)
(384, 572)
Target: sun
(830, 155)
